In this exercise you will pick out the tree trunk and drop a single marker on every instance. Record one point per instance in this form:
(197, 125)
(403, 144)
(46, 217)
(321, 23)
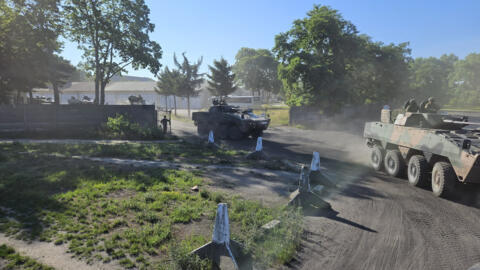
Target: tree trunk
(97, 90)
(102, 93)
(56, 93)
(175, 104)
(30, 95)
(188, 105)
(166, 103)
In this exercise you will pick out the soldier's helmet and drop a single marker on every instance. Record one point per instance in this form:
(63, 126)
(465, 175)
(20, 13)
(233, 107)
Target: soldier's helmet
(431, 99)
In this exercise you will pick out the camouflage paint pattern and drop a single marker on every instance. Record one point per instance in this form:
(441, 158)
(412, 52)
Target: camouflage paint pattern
(446, 144)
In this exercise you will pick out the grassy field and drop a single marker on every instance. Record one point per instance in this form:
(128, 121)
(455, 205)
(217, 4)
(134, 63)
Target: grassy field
(11, 260)
(144, 218)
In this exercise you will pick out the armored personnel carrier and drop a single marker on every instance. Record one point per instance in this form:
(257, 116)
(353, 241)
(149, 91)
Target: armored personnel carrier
(229, 122)
(427, 147)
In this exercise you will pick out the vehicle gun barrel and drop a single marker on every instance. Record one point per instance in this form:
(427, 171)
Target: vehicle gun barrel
(462, 122)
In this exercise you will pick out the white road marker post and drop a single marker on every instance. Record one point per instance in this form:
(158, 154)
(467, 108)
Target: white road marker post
(210, 137)
(258, 154)
(259, 146)
(315, 165)
(222, 245)
(316, 175)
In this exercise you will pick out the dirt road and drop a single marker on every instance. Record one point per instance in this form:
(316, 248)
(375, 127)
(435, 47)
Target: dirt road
(378, 222)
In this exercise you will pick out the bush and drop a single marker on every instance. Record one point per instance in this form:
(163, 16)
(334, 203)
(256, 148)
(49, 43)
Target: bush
(119, 127)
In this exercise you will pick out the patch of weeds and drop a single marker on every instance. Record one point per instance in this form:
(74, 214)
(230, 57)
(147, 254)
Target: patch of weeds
(127, 263)
(16, 261)
(182, 259)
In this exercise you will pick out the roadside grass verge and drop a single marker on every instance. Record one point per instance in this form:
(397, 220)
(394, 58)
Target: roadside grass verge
(172, 152)
(279, 115)
(11, 260)
(140, 218)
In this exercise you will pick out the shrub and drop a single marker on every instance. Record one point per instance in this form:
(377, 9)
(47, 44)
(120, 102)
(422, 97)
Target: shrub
(120, 127)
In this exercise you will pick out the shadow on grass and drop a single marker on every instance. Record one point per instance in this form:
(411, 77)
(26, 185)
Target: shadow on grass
(30, 185)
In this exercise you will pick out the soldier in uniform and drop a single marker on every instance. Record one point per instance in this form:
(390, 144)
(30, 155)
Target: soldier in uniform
(411, 106)
(165, 122)
(431, 106)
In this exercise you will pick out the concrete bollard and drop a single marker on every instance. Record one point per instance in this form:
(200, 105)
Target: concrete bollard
(316, 175)
(258, 154)
(315, 165)
(222, 245)
(259, 146)
(210, 137)
(304, 196)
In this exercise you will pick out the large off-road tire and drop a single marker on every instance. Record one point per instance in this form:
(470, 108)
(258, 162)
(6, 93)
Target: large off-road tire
(417, 171)
(443, 179)
(202, 129)
(394, 163)
(221, 132)
(234, 133)
(376, 157)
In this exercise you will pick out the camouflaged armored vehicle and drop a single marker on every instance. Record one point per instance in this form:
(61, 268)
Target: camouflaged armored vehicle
(427, 147)
(229, 122)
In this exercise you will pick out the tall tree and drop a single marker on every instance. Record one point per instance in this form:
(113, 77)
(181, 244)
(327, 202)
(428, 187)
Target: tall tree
(379, 73)
(113, 34)
(314, 59)
(257, 71)
(325, 63)
(465, 80)
(430, 76)
(29, 33)
(191, 76)
(221, 78)
(59, 72)
(170, 83)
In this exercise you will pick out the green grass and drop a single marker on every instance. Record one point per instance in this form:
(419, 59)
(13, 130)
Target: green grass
(174, 152)
(279, 115)
(14, 261)
(137, 217)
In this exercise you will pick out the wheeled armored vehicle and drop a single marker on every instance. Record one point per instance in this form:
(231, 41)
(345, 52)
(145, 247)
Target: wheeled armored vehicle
(229, 122)
(430, 148)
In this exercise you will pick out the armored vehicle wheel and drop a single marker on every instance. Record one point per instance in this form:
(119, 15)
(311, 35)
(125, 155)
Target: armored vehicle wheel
(417, 171)
(202, 129)
(222, 132)
(376, 158)
(394, 164)
(235, 133)
(443, 179)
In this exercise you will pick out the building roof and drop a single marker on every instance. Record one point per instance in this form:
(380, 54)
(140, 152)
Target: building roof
(125, 86)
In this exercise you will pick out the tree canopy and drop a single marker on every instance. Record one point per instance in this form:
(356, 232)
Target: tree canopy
(113, 34)
(324, 62)
(221, 78)
(192, 79)
(257, 70)
(29, 33)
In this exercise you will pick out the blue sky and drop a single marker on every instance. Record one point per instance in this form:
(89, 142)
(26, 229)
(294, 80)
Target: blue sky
(216, 28)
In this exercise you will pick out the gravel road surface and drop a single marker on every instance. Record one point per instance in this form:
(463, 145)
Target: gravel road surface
(378, 222)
